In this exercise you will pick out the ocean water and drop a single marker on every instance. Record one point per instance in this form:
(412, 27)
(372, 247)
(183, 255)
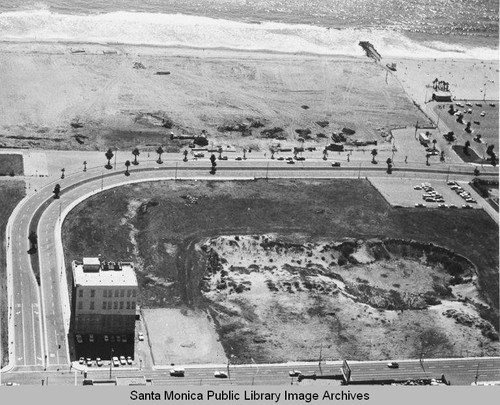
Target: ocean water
(416, 28)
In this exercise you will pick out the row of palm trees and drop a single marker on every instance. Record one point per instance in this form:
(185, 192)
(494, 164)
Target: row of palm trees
(109, 155)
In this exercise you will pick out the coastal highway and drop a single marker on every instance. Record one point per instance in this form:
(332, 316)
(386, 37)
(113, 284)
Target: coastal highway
(39, 316)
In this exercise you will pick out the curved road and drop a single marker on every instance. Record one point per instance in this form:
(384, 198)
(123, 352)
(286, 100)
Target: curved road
(39, 315)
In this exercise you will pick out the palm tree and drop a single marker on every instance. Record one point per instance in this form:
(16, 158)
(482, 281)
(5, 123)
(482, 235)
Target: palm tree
(84, 165)
(57, 190)
(109, 155)
(325, 153)
(127, 165)
(160, 151)
(466, 148)
(185, 155)
(218, 150)
(136, 153)
(62, 172)
(212, 159)
(244, 153)
(389, 165)
(434, 142)
(374, 153)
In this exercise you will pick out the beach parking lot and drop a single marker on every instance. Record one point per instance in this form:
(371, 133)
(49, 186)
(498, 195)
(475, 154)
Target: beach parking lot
(402, 192)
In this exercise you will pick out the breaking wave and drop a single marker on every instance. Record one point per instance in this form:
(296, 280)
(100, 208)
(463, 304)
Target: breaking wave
(202, 32)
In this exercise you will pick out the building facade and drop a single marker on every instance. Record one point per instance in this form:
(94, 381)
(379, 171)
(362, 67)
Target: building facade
(104, 297)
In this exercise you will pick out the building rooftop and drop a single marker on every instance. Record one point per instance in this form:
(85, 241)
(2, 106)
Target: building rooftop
(109, 274)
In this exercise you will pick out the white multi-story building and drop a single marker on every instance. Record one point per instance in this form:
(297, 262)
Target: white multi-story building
(104, 297)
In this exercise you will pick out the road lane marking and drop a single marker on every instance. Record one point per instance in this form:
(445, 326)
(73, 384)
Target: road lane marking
(33, 316)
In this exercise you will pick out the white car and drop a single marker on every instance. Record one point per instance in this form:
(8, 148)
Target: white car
(99, 362)
(91, 338)
(220, 374)
(417, 188)
(123, 361)
(294, 373)
(115, 361)
(129, 360)
(140, 336)
(177, 372)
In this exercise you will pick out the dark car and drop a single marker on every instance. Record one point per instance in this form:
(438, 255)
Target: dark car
(393, 364)
(336, 164)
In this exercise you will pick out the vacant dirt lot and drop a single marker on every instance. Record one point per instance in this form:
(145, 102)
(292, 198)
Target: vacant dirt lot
(162, 226)
(181, 336)
(278, 301)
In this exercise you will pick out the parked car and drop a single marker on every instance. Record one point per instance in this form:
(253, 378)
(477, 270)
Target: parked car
(118, 339)
(451, 183)
(471, 200)
(420, 205)
(393, 364)
(91, 338)
(453, 206)
(239, 158)
(290, 162)
(220, 374)
(129, 360)
(88, 361)
(79, 338)
(123, 361)
(140, 336)
(177, 372)
(124, 338)
(199, 155)
(106, 338)
(281, 158)
(99, 362)
(417, 188)
(442, 206)
(294, 373)
(112, 339)
(81, 360)
(430, 199)
(116, 362)
(467, 206)
(336, 164)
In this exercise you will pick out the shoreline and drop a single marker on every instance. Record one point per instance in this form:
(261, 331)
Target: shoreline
(222, 49)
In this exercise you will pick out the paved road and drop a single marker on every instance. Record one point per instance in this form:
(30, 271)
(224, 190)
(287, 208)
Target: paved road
(458, 371)
(40, 341)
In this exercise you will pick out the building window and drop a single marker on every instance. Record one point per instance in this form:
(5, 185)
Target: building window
(105, 293)
(104, 303)
(115, 305)
(128, 304)
(110, 294)
(91, 305)
(134, 292)
(80, 305)
(116, 293)
(129, 293)
(92, 293)
(122, 293)
(121, 304)
(109, 305)
(80, 293)
(133, 304)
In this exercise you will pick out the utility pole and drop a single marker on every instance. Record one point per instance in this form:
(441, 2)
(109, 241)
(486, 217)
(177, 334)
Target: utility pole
(176, 163)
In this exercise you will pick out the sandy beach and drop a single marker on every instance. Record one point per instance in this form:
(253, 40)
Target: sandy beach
(91, 97)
